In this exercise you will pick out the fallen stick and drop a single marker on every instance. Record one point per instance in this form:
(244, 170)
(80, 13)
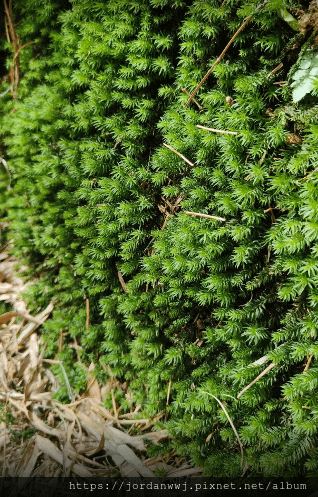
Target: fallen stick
(218, 60)
(169, 390)
(180, 155)
(121, 281)
(308, 363)
(30, 328)
(185, 91)
(67, 383)
(198, 214)
(275, 70)
(87, 315)
(231, 423)
(256, 379)
(217, 130)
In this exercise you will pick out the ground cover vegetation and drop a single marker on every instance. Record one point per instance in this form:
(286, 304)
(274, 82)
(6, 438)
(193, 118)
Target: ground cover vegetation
(189, 310)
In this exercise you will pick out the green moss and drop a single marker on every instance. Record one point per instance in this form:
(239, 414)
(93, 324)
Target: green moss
(177, 303)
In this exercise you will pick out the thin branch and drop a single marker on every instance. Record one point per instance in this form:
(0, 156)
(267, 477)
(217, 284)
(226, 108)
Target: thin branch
(169, 390)
(270, 209)
(256, 379)
(260, 361)
(6, 91)
(198, 214)
(114, 404)
(217, 130)
(31, 327)
(122, 281)
(218, 60)
(13, 38)
(61, 340)
(308, 363)
(180, 155)
(275, 70)
(263, 157)
(308, 175)
(67, 383)
(20, 48)
(5, 165)
(194, 100)
(231, 423)
(117, 141)
(87, 314)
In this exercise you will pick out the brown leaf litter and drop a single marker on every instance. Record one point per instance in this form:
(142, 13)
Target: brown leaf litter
(42, 437)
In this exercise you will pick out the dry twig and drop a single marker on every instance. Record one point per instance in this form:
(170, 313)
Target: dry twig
(275, 70)
(87, 314)
(122, 281)
(256, 379)
(80, 429)
(308, 363)
(198, 214)
(194, 100)
(12, 38)
(61, 340)
(180, 155)
(168, 394)
(308, 175)
(5, 165)
(217, 130)
(231, 423)
(218, 60)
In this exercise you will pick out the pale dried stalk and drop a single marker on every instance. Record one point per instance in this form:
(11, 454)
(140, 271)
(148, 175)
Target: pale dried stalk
(308, 175)
(275, 70)
(260, 361)
(6, 91)
(180, 155)
(257, 378)
(67, 383)
(129, 414)
(12, 38)
(194, 100)
(269, 209)
(114, 403)
(30, 328)
(132, 421)
(87, 314)
(122, 281)
(117, 419)
(5, 162)
(217, 130)
(231, 423)
(218, 60)
(20, 48)
(169, 390)
(198, 214)
(61, 340)
(308, 363)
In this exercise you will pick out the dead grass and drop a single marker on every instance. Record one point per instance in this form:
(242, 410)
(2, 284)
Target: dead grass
(42, 437)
